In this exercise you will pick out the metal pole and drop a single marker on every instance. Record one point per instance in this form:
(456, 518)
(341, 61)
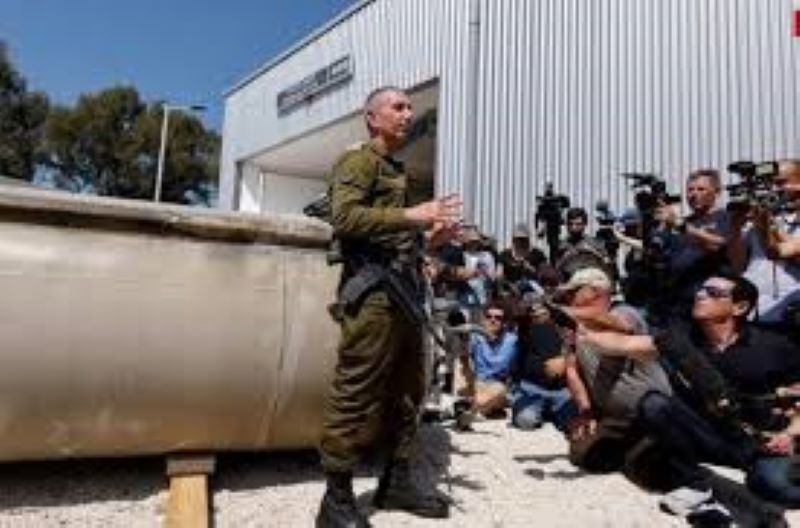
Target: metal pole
(161, 154)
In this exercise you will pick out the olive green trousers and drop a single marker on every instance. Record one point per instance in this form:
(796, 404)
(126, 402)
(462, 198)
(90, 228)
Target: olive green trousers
(377, 387)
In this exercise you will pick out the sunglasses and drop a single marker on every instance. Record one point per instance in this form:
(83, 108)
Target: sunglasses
(494, 317)
(714, 292)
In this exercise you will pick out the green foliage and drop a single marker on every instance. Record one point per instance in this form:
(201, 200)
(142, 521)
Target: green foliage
(22, 116)
(109, 143)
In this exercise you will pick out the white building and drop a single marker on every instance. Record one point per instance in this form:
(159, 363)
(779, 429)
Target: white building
(521, 92)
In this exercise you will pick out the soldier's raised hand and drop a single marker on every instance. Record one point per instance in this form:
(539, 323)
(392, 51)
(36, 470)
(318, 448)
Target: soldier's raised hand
(445, 210)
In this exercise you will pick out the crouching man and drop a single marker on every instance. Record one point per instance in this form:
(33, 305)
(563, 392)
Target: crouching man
(606, 382)
(725, 372)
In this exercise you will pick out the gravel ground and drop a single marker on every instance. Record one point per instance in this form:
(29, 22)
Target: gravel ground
(496, 476)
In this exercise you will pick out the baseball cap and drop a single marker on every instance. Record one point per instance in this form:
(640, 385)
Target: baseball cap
(521, 231)
(471, 234)
(587, 277)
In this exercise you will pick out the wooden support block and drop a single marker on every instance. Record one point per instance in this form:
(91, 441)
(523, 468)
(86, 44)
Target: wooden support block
(188, 505)
(185, 464)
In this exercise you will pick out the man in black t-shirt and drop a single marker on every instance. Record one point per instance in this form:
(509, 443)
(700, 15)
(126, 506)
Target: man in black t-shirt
(538, 392)
(521, 262)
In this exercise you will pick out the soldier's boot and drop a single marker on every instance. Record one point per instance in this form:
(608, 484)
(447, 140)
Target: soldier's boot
(398, 491)
(338, 508)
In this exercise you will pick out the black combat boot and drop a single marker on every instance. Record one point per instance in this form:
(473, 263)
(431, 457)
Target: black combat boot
(398, 491)
(338, 508)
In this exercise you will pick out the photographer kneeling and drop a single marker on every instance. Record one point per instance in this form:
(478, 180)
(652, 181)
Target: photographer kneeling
(725, 373)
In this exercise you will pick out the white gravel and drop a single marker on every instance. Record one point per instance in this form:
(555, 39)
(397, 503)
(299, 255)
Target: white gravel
(496, 476)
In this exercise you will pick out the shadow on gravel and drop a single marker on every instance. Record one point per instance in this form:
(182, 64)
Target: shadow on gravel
(436, 457)
(75, 482)
(541, 459)
(541, 474)
(253, 471)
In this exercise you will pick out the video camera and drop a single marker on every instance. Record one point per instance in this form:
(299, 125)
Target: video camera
(550, 206)
(755, 188)
(606, 219)
(651, 191)
(604, 216)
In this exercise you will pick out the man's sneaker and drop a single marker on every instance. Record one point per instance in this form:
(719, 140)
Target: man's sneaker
(683, 501)
(710, 515)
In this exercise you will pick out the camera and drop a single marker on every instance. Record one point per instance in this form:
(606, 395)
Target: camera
(606, 219)
(550, 205)
(604, 216)
(651, 191)
(755, 188)
(655, 265)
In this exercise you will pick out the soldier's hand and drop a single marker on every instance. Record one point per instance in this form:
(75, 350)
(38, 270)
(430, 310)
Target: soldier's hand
(445, 210)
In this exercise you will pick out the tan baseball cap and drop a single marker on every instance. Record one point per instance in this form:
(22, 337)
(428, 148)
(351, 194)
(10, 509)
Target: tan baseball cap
(587, 277)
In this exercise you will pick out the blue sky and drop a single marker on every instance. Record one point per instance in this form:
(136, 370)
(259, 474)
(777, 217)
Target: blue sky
(184, 51)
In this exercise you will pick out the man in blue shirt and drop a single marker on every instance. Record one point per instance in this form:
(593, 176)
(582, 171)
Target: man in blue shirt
(491, 356)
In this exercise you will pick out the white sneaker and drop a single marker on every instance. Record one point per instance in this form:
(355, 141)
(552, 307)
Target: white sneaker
(683, 501)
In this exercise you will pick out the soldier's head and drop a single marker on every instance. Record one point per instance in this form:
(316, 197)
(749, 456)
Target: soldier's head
(702, 189)
(388, 115)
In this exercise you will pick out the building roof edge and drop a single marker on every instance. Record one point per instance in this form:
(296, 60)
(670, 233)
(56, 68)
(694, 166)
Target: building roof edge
(283, 56)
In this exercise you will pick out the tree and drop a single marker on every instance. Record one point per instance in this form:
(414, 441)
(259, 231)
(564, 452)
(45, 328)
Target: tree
(108, 143)
(22, 118)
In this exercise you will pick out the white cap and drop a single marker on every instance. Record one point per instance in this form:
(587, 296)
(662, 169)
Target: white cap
(587, 277)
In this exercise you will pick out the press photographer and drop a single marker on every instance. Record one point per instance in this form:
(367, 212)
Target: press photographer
(724, 371)
(654, 247)
(766, 242)
(579, 250)
(698, 241)
(550, 218)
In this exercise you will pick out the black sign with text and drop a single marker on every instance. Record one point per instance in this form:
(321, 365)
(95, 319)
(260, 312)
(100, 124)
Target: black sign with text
(316, 84)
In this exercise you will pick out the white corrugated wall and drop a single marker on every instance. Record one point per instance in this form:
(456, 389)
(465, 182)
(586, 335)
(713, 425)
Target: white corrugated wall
(398, 42)
(572, 91)
(576, 91)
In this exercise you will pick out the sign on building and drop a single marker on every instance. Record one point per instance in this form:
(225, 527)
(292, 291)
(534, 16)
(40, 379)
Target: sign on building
(316, 84)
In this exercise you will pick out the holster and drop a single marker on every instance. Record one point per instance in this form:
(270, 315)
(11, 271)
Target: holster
(398, 285)
(355, 289)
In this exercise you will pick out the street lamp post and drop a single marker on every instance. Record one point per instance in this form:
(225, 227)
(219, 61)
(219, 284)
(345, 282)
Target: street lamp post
(162, 151)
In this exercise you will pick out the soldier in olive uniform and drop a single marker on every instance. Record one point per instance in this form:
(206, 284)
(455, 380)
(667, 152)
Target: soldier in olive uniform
(378, 383)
